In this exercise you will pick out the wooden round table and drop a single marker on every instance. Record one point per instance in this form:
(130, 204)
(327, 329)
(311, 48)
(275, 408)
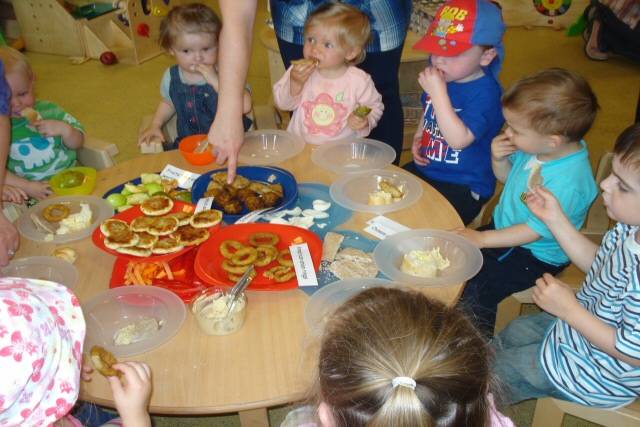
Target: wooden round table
(269, 361)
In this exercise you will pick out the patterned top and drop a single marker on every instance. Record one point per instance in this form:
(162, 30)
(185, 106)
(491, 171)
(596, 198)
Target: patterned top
(5, 93)
(611, 292)
(389, 20)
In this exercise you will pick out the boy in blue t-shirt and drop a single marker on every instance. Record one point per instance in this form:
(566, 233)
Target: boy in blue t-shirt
(547, 115)
(451, 150)
(586, 347)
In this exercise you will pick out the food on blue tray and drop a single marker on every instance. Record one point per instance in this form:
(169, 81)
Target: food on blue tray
(242, 194)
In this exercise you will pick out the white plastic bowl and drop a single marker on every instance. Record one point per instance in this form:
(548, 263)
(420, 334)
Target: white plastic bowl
(352, 191)
(353, 155)
(119, 307)
(465, 258)
(324, 302)
(268, 147)
(43, 268)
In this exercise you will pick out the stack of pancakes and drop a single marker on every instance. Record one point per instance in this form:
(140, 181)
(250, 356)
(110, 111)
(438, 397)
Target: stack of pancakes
(159, 231)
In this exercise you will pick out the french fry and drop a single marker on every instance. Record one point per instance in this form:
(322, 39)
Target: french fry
(167, 270)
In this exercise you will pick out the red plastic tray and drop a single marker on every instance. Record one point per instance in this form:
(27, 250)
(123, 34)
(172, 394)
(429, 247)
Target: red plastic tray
(187, 288)
(132, 213)
(208, 264)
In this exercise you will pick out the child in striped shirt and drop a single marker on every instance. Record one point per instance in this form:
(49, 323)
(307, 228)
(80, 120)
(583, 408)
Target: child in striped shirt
(585, 347)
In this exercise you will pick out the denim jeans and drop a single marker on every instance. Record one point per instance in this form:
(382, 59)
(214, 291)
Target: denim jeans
(517, 362)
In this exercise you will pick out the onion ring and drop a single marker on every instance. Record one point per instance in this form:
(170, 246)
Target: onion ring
(56, 212)
(266, 255)
(244, 256)
(229, 267)
(257, 239)
(284, 258)
(227, 245)
(280, 273)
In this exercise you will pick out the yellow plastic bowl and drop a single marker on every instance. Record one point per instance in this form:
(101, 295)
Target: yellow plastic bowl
(87, 186)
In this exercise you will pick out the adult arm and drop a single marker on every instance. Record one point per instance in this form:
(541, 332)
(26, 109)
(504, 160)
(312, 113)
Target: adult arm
(227, 131)
(9, 238)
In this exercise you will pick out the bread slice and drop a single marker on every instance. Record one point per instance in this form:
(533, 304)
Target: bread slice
(305, 61)
(331, 245)
(31, 115)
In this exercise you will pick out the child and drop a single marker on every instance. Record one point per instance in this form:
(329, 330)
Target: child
(44, 141)
(42, 332)
(590, 351)
(326, 90)
(189, 89)
(390, 357)
(451, 150)
(547, 116)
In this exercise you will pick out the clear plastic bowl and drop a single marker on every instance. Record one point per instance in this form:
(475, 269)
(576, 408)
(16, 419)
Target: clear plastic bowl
(324, 302)
(465, 259)
(210, 310)
(100, 211)
(116, 308)
(44, 268)
(269, 146)
(353, 155)
(352, 191)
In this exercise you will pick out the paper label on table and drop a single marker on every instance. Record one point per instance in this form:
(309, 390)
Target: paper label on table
(185, 178)
(303, 264)
(381, 227)
(204, 204)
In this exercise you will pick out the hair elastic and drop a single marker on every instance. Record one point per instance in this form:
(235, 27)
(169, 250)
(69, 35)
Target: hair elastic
(404, 382)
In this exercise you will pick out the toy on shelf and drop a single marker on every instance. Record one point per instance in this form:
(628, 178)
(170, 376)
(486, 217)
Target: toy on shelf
(128, 29)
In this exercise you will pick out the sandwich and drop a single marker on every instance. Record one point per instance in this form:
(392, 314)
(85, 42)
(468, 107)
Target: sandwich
(31, 115)
(305, 61)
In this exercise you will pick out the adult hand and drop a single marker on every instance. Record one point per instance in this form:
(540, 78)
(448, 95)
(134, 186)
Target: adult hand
(416, 150)
(226, 135)
(502, 147)
(554, 297)
(131, 395)
(9, 240)
(432, 81)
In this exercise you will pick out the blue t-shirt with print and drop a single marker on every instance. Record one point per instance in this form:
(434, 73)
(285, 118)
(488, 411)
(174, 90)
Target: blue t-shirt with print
(569, 178)
(5, 93)
(477, 103)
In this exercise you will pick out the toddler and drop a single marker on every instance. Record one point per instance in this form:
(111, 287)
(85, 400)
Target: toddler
(390, 357)
(451, 150)
(547, 116)
(586, 347)
(44, 138)
(42, 332)
(189, 89)
(326, 89)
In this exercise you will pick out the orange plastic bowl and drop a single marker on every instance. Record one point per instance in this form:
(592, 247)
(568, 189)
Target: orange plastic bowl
(188, 144)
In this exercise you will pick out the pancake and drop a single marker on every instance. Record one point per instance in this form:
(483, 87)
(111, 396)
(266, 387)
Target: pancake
(167, 245)
(113, 226)
(121, 240)
(156, 205)
(146, 240)
(189, 236)
(182, 217)
(163, 226)
(102, 360)
(142, 223)
(206, 219)
(135, 251)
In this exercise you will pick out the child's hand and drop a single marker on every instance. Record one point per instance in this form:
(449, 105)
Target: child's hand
(52, 127)
(502, 147)
(209, 73)
(86, 371)
(554, 297)
(132, 393)
(357, 123)
(544, 204)
(301, 73)
(13, 194)
(474, 236)
(151, 134)
(416, 150)
(38, 189)
(432, 81)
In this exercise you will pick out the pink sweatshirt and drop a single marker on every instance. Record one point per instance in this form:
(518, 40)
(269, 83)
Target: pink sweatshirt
(323, 106)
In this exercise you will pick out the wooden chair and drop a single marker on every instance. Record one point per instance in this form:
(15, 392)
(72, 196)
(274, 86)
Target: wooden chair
(596, 224)
(97, 153)
(550, 413)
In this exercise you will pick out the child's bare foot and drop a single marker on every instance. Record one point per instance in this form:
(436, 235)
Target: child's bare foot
(38, 189)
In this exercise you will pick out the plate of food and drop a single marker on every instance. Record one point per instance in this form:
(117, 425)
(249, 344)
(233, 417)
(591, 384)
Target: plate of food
(353, 155)
(255, 187)
(230, 252)
(176, 275)
(377, 191)
(136, 191)
(157, 230)
(269, 146)
(132, 320)
(428, 258)
(63, 219)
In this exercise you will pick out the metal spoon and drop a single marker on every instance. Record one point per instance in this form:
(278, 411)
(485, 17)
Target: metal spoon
(239, 287)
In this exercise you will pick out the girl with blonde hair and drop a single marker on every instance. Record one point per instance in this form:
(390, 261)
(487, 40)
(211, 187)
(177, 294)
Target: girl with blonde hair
(396, 358)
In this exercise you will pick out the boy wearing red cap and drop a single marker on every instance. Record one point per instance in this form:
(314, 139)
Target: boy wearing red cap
(452, 148)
